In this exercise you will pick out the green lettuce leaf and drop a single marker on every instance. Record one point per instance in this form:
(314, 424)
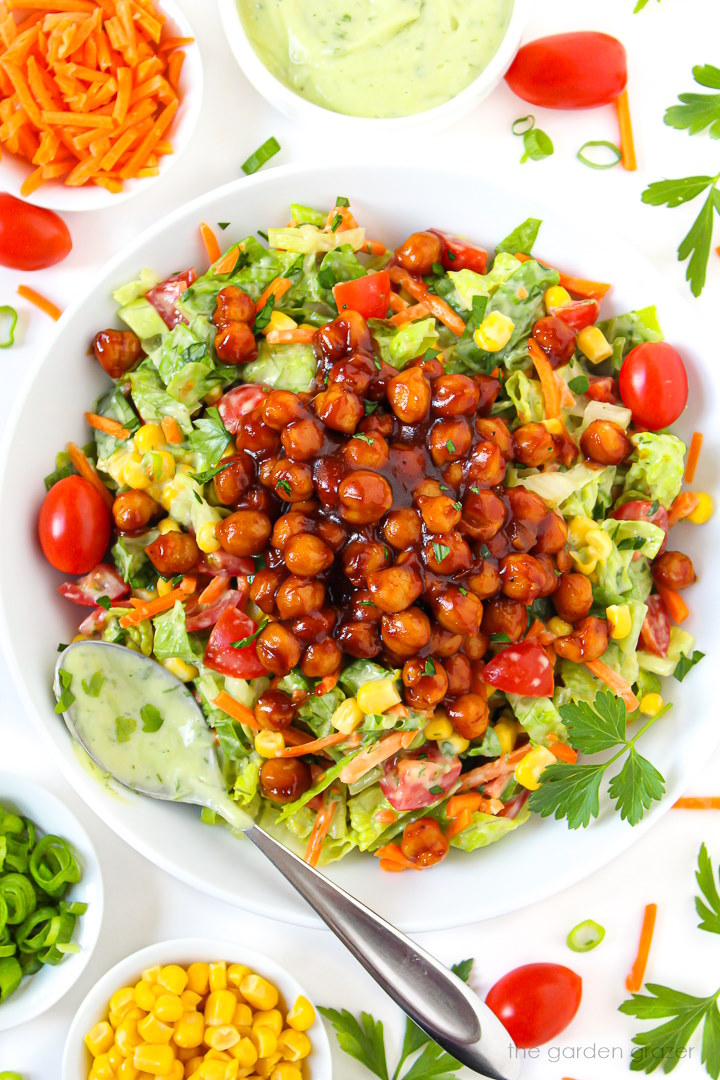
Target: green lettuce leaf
(539, 717)
(526, 396)
(486, 829)
(152, 400)
(624, 332)
(133, 565)
(656, 472)
(171, 636)
(360, 672)
(284, 367)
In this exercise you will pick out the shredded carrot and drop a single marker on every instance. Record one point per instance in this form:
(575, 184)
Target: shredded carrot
(301, 335)
(614, 682)
(214, 590)
(494, 769)
(348, 219)
(472, 801)
(410, 314)
(683, 506)
(375, 754)
(627, 141)
(693, 456)
(40, 301)
(690, 802)
(385, 816)
(276, 288)
(315, 745)
(582, 287)
(675, 604)
(188, 585)
(396, 302)
(228, 262)
(110, 427)
(374, 247)
(637, 973)
(209, 239)
(460, 822)
(149, 608)
(548, 382)
(417, 288)
(82, 465)
(238, 711)
(328, 683)
(562, 751)
(391, 858)
(171, 430)
(320, 829)
(175, 43)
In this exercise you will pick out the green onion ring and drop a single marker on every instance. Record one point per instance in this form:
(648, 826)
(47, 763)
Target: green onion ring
(581, 156)
(53, 865)
(8, 322)
(19, 895)
(529, 120)
(585, 936)
(10, 976)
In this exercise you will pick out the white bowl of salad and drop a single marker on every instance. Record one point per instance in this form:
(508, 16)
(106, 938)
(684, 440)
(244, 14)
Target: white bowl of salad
(398, 507)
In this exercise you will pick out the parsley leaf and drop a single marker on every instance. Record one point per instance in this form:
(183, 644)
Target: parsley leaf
(364, 438)
(207, 475)
(521, 239)
(244, 642)
(597, 727)
(264, 314)
(570, 791)
(124, 727)
(284, 485)
(580, 384)
(209, 436)
(636, 787)
(698, 112)
(695, 247)
(66, 697)
(152, 718)
(94, 686)
(364, 1039)
(708, 908)
(429, 666)
(441, 551)
(663, 1045)
(687, 663)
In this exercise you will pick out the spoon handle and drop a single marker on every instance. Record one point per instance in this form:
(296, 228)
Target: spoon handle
(438, 1001)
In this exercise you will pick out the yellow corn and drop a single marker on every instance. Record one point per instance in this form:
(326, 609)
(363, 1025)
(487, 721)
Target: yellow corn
(213, 395)
(554, 426)
(651, 704)
(704, 509)
(168, 1008)
(269, 743)
(102, 1069)
(236, 972)
(133, 474)
(173, 978)
(149, 437)
(506, 731)
(217, 975)
(302, 1015)
(223, 1037)
(378, 696)
(127, 1070)
(530, 768)
(438, 729)
(559, 627)
(190, 1000)
(177, 1072)
(599, 544)
(556, 297)
(212, 1070)
(620, 620)
(180, 669)
(189, 1031)
(578, 528)
(265, 1041)
(220, 1007)
(279, 321)
(168, 525)
(100, 1038)
(122, 1000)
(294, 1045)
(156, 1060)
(164, 587)
(347, 717)
(271, 1018)
(198, 975)
(284, 1071)
(593, 344)
(126, 1036)
(455, 744)
(584, 564)
(244, 1053)
(243, 1017)
(193, 1064)
(206, 539)
(232, 1070)
(258, 992)
(153, 1030)
(494, 332)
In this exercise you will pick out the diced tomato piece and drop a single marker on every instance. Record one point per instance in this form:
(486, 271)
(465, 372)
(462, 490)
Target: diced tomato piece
(655, 633)
(603, 389)
(203, 617)
(578, 315)
(417, 778)
(237, 403)
(521, 669)
(102, 581)
(369, 296)
(164, 297)
(222, 562)
(640, 510)
(460, 254)
(220, 655)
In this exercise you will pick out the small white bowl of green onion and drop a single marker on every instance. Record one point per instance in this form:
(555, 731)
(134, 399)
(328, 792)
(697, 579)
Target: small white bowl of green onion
(51, 900)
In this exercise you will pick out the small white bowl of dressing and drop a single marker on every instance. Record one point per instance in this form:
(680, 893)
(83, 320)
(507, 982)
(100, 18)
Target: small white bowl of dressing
(362, 64)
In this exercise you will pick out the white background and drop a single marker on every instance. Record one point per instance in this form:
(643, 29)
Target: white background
(145, 905)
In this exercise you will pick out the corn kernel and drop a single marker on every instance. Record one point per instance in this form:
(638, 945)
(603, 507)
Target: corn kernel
(206, 539)
(149, 437)
(159, 465)
(150, 974)
(294, 1045)
(232, 1070)
(271, 1018)
(100, 1038)
(438, 728)
(102, 1069)
(578, 528)
(153, 1030)
(190, 1000)
(168, 525)
(189, 1031)
(284, 1071)
(212, 1070)
(559, 627)
(236, 972)
(593, 344)
(122, 1000)
(134, 476)
(456, 744)
(180, 669)
(530, 768)
(164, 586)
(126, 1036)
(506, 731)
(223, 1037)
(599, 544)
(554, 426)
(620, 620)
(265, 1066)
(651, 704)
(244, 1053)
(115, 1057)
(704, 509)
(199, 977)
(243, 1015)
(217, 976)
(556, 297)
(584, 564)
(494, 332)
(177, 1072)
(143, 995)
(378, 696)
(192, 1065)
(279, 321)
(220, 1007)
(127, 1070)
(156, 1060)
(269, 743)
(168, 1008)
(217, 1055)
(173, 978)
(347, 717)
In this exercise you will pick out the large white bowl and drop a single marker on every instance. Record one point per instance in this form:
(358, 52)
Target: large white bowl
(37, 993)
(307, 112)
(542, 857)
(56, 195)
(76, 1059)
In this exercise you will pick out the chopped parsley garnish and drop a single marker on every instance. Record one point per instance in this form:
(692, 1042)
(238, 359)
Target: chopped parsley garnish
(244, 642)
(261, 156)
(104, 602)
(94, 686)
(457, 505)
(370, 407)
(342, 201)
(336, 223)
(283, 485)
(580, 384)
(223, 225)
(124, 727)
(450, 446)
(264, 314)
(152, 719)
(441, 551)
(437, 790)
(205, 477)
(364, 438)
(66, 697)
(430, 668)
(687, 663)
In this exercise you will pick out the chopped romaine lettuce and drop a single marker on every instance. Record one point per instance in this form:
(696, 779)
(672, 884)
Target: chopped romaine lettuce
(171, 636)
(145, 321)
(681, 644)
(621, 654)
(603, 410)
(486, 829)
(114, 405)
(359, 672)
(522, 239)
(556, 488)
(399, 345)
(539, 717)
(311, 241)
(526, 396)
(624, 332)
(657, 469)
(618, 577)
(129, 556)
(305, 215)
(152, 400)
(125, 294)
(285, 367)
(520, 297)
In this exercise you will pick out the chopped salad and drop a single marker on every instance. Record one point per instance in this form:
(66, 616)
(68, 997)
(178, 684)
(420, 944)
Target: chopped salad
(389, 513)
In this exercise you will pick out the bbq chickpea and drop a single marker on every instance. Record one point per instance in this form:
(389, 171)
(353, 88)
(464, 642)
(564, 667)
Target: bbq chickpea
(117, 351)
(303, 439)
(450, 440)
(458, 671)
(526, 505)
(307, 555)
(409, 396)
(552, 534)
(484, 580)
(321, 658)
(522, 577)
(447, 553)
(327, 474)
(274, 710)
(555, 338)
(605, 442)
(671, 570)
(550, 571)
(293, 481)
(360, 639)
(363, 557)
(246, 532)
(418, 253)
(378, 422)
(339, 409)
(355, 372)
(425, 682)
(454, 395)
(285, 779)
(263, 588)
(364, 497)
(299, 596)
(483, 513)
(469, 715)
(278, 649)
(288, 526)
(362, 607)
(315, 626)
(173, 553)
(134, 510)
(457, 612)
(496, 432)
(406, 632)
(439, 512)
(501, 615)
(424, 843)
(573, 597)
(236, 476)
(235, 343)
(282, 407)
(475, 646)
(260, 499)
(395, 588)
(533, 445)
(403, 529)
(332, 532)
(366, 451)
(588, 641)
(233, 305)
(255, 437)
(487, 465)
(488, 388)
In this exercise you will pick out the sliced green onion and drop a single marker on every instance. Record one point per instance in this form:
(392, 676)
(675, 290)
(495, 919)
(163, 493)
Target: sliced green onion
(585, 936)
(53, 865)
(607, 145)
(8, 322)
(10, 1076)
(261, 156)
(10, 976)
(19, 895)
(523, 124)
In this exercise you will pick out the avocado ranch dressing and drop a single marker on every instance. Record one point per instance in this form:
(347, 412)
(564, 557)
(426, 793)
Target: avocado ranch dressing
(376, 58)
(143, 729)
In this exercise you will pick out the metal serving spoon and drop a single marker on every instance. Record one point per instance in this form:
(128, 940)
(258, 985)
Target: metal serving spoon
(185, 769)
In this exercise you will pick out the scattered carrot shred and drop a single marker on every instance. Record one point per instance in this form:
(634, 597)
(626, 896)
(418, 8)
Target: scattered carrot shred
(315, 745)
(228, 262)
(106, 424)
(675, 604)
(693, 456)
(277, 288)
(637, 973)
(417, 288)
(171, 430)
(153, 607)
(82, 465)
(627, 141)
(210, 241)
(459, 823)
(40, 301)
(548, 382)
(411, 313)
(234, 708)
(214, 590)
(697, 802)
(614, 682)
(320, 829)
(392, 858)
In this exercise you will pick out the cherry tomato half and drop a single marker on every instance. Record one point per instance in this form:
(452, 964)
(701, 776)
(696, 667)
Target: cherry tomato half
(642, 510)
(74, 526)
(570, 71)
(521, 669)
(414, 778)
(31, 238)
(654, 384)
(220, 655)
(369, 296)
(536, 1002)
(237, 403)
(655, 633)
(578, 315)
(459, 254)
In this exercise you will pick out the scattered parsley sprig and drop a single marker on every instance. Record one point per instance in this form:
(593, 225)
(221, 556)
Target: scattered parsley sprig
(698, 112)
(572, 791)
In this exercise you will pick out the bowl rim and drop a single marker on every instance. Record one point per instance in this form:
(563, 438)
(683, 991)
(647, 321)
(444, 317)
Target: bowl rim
(39, 996)
(56, 195)
(175, 950)
(296, 106)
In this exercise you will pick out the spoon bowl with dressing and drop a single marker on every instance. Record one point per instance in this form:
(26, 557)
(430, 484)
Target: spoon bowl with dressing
(142, 727)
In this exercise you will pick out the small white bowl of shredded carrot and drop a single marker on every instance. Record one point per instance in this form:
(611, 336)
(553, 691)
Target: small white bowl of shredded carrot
(97, 98)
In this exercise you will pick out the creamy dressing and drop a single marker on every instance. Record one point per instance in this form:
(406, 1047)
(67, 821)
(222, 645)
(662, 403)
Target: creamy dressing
(377, 58)
(144, 728)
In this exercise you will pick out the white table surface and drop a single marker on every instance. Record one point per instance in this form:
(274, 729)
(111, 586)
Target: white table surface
(144, 904)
